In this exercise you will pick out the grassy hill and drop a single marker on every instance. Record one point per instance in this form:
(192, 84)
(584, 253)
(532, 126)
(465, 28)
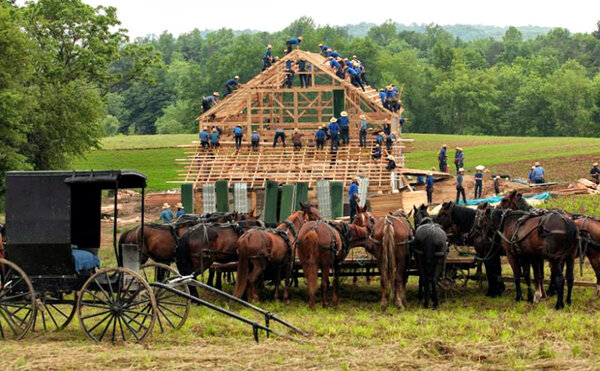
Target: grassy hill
(566, 158)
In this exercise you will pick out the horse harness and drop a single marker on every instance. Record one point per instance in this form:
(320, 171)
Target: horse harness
(388, 221)
(344, 232)
(283, 234)
(207, 252)
(428, 224)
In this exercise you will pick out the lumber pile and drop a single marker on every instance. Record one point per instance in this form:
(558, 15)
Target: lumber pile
(580, 187)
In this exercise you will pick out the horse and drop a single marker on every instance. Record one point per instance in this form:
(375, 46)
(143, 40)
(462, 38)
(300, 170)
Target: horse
(390, 238)
(430, 249)
(364, 218)
(259, 248)
(527, 239)
(465, 226)
(325, 244)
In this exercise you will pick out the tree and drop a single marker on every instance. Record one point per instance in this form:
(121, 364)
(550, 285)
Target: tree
(383, 34)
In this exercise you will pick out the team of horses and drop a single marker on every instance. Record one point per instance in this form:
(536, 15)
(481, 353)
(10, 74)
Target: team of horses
(528, 237)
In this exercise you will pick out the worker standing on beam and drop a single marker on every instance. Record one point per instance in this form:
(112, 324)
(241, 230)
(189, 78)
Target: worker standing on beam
(334, 129)
(289, 70)
(255, 140)
(268, 58)
(231, 85)
(320, 137)
(237, 136)
(293, 42)
(344, 127)
(204, 138)
(208, 102)
(362, 136)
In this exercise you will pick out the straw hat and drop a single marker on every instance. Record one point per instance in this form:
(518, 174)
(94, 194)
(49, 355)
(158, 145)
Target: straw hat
(390, 157)
(320, 45)
(236, 77)
(214, 130)
(269, 46)
(595, 164)
(533, 167)
(479, 167)
(357, 179)
(363, 117)
(216, 94)
(344, 114)
(459, 149)
(296, 130)
(444, 146)
(329, 49)
(354, 57)
(179, 205)
(461, 170)
(497, 177)
(166, 206)
(536, 164)
(300, 38)
(205, 128)
(429, 173)
(333, 119)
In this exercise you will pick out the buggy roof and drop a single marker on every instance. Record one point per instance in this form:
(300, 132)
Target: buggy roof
(105, 179)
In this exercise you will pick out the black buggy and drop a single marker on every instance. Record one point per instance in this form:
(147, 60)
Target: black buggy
(50, 270)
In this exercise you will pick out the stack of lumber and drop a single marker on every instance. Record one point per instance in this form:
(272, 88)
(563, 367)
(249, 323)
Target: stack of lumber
(580, 187)
(388, 203)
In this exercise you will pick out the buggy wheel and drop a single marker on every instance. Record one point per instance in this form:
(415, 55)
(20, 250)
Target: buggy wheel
(116, 304)
(17, 301)
(173, 310)
(54, 312)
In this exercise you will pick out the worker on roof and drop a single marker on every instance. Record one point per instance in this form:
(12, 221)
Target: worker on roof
(362, 136)
(376, 152)
(460, 190)
(289, 71)
(320, 137)
(255, 140)
(302, 73)
(353, 197)
(323, 49)
(214, 138)
(443, 158)
(268, 57)
(237, 136)
(538, 174)
(208, 102)
(334, 129)
(383, 97)
(333, 53)
(595, 172)
(391, 165)
(297, 139)
(279, 133)
(293, 42)
(335, 66)
(379, 138)
(389, 141)
(344, 127)
(459, 159)
(478, 182)
(348, 63)
(392, 98)
(231, 85)
(387, 129)
(204, 137)
(429, 181)
(355, 77)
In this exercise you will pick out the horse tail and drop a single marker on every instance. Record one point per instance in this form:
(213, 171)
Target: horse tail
(243, 267)
(388, 261)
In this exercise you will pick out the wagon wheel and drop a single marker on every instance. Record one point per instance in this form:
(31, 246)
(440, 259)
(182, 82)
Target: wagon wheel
(173, 310)
(54, 311)
(17, 301)
(461, 277)
(116, 304)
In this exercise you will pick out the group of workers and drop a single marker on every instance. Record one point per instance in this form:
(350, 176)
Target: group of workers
(389, 97)
(459, 159)
(167, 215)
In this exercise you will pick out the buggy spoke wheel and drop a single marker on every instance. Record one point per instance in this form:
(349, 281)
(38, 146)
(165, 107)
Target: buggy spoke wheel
(116, 304)
(55, 312)
(173, 310)
(17, 302)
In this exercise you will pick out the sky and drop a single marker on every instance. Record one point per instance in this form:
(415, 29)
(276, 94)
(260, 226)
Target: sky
(142, 17)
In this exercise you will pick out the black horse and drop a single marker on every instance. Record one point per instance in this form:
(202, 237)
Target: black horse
(464, 227)
(430, 249)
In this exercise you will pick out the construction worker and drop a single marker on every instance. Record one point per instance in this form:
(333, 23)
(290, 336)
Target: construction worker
(459, 159)
(297, 139)
(392, 99)
(387, 128)
(355, 77)
(353, 197)
(344, 127)
(379, 138)
(294, 41)
(383, 97)
(209, 101)
(595, 172)
(334, 65)
(231, 85)
(429, 181)
(204, 137)
(180, 210)
(279, 133)
(443, 159)
(362, 136)
(538, 174)
(478, 182)
(255, 140)
(289, 70)
(334, 129)
(237, 136)
(389, 141)
(333, 54)
(376, 152)
(166, 215)
(320, 137)
(323, 49)
(214, 138)
(302, 73)
(391, 165)
(460, 190)
(268, 58)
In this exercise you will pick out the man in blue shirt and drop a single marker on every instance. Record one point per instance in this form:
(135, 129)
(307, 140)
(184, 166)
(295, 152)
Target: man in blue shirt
(460, 190)
(303, 76)
(379, 139)
(208, 102)
(595, 172)
(383, 97)
(530, 175)
(376, 153)
(166, 215)
(267, 58)
(333, 54)
(204, 137)
(538, 174)
(289, 71)
(180, 210)
(443, 159)
(237, 136)
(231, 85)
(214, 138)
(293, 42)
(362, 136)
(355, 78)
(344, 127)
(323, 48)
(392, 98)
(459, 159)
(353, 198)
(478, 182)
(429, 187)
(334, 129)
(389, 141)
(279, 133)
(320, 137)
(255, 140)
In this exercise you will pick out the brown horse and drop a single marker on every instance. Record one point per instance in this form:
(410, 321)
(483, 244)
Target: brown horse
(260, 248)
(325, 245)
(391, 239)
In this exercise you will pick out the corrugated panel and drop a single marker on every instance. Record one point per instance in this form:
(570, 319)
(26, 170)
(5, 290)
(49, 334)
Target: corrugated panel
(240, 197)
(363, 187)
(337, 199)
(271, 194)
(301, 194)
(209, 198)
(187, 197)
(222, 190)
(287, 201)
(324, 198)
